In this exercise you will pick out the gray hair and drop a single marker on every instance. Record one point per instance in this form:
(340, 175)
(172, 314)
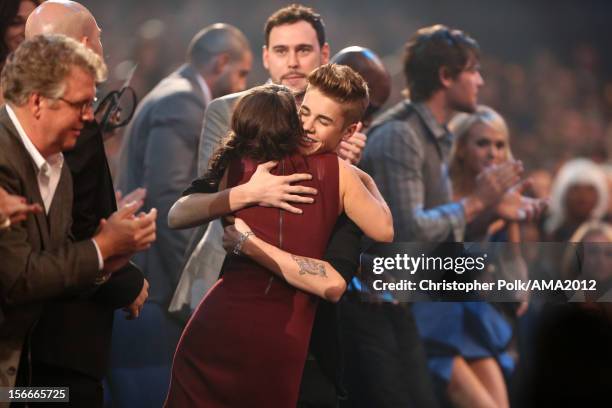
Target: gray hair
(42, 64)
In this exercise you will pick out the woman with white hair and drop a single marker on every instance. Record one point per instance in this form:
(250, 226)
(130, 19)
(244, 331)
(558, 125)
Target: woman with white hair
(579, 194)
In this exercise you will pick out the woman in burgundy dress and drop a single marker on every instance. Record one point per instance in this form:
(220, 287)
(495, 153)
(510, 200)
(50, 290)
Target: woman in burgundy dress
(246, 344)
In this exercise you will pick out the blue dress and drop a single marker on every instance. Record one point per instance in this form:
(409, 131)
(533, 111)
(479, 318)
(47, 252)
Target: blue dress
(472, 330)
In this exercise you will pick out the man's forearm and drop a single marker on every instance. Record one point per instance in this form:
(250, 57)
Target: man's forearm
(431, 225)
(199, 208)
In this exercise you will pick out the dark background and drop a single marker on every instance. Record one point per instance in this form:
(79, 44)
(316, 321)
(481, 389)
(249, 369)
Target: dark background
(546, 64)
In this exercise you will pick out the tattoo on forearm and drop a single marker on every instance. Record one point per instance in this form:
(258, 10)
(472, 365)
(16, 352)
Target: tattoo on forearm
(310, 266)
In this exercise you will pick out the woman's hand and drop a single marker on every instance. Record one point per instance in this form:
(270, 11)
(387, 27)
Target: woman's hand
(268, 190)
(516, 207)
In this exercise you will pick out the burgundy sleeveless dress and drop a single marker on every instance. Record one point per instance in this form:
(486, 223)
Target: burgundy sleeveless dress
(247, 342)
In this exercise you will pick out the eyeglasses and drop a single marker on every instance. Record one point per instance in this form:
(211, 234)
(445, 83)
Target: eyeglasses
(82, 107)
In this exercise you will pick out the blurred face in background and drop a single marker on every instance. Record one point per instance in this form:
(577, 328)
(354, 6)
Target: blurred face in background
(597, 262)
(484, 146)
(462, 91)
(580, 201)
(292, 53)
(15, 34)
(234, 76)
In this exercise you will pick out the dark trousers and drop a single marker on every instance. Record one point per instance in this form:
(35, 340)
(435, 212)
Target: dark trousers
(316, 390)
(84, 391)
(385, 362)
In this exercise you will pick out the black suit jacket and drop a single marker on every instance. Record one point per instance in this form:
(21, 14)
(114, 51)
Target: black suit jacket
(76, 333)
(342, 253)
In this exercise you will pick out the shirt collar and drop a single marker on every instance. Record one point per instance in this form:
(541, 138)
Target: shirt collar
(39, 161)
(205, 89)
(438, 130)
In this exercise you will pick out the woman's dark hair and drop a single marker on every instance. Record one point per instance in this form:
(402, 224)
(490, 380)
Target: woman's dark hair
(430, 49)
(8, 14)
(265, 126)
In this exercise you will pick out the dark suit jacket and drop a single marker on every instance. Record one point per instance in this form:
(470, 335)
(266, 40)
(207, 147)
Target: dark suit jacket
(76, 333)
(38, 260)
(159, 153)
(342, 253)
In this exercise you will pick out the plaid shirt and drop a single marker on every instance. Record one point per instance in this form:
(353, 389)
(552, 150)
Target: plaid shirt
(407, 155)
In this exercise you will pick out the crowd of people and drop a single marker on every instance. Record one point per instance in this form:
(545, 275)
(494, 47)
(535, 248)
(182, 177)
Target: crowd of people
(219, 266)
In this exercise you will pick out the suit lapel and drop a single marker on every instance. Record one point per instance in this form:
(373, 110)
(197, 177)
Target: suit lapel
(31, 191)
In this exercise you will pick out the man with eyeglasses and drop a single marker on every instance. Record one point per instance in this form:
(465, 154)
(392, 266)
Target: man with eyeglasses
(49, 85)
(71, 342)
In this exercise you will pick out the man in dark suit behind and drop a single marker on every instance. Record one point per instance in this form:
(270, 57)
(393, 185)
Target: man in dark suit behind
(71, 343)
(159, 153)
(49, 85)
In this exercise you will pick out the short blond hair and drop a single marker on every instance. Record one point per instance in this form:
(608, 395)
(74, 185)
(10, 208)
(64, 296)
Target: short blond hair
(42, 64)
(345, 86)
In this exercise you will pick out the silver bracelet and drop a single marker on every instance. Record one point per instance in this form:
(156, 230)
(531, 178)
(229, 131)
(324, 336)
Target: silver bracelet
(243, 237)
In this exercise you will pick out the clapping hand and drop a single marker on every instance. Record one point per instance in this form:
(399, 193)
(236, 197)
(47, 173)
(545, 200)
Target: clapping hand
(516, 207)
(138, 195)
(125, 233)
(494, 182)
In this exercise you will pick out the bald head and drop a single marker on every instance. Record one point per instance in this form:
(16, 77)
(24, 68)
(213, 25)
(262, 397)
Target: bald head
(214, 40)
(371, 68)
(68, 18)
